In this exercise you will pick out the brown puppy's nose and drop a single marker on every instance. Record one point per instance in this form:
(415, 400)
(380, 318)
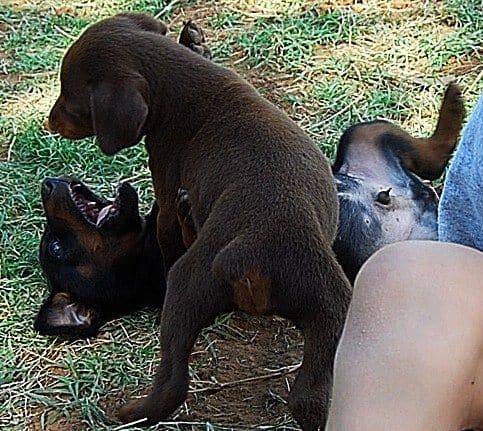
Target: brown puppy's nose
(46, 125)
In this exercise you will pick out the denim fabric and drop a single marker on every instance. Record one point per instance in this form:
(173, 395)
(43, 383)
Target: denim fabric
(461, 205)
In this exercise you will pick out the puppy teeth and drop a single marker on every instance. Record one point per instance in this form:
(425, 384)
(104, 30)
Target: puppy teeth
(102, 215)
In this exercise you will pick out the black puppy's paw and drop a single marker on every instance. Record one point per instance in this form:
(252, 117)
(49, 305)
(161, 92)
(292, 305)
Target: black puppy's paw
(453, 99)
(192, 36)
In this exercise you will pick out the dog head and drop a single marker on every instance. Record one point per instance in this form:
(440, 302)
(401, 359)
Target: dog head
(102, 92)
(382, 177)
(100, 257)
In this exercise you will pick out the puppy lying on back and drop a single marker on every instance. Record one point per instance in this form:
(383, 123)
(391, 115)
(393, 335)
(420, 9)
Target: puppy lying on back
(100, 257)
(380, 174)
(262, 196)
(380, 171)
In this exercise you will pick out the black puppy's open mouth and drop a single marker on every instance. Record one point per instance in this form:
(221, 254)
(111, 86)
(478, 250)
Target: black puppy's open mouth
(96, 211)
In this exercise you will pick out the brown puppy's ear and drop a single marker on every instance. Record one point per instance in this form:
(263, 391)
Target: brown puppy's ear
(119, 113)
(428, 157)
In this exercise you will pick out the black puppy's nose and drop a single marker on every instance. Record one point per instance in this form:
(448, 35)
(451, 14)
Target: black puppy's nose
(48, 186)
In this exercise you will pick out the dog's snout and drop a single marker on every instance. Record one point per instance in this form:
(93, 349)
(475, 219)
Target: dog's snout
(47, 125)
(49, 185)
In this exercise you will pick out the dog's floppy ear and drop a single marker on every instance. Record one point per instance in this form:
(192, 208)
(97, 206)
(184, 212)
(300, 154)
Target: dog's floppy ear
(62, 315)
(427, 157)
(119, 111)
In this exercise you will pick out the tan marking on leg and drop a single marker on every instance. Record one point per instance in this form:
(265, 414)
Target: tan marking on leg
(252, 292)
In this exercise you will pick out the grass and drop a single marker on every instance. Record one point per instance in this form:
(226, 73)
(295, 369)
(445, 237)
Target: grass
(329, 64)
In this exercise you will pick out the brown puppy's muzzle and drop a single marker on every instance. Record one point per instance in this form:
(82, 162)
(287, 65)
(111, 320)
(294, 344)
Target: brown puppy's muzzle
(61, 122)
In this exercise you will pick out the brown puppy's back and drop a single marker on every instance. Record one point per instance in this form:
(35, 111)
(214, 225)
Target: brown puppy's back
(260, 191)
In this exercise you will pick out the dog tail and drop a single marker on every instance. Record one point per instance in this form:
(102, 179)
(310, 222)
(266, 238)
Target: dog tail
(429, 156)
(239, 265)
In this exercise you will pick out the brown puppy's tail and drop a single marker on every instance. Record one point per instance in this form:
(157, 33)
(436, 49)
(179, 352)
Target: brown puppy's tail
(429, 156)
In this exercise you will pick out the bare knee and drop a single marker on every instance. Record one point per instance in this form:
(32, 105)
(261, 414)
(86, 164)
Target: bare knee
(405, 266)
(405, 298)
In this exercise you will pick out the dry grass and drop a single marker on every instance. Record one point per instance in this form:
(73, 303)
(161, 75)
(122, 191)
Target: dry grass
(329, 64)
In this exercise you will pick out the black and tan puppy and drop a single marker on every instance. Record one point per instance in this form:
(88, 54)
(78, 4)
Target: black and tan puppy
(382, 175)
(262, 197)
(379, 171)
(100, 257)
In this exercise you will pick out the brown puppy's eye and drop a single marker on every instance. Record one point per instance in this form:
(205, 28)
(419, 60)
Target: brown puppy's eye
(383, 197)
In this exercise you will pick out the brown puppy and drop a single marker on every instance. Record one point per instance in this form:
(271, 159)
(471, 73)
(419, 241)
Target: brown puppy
(262, 197)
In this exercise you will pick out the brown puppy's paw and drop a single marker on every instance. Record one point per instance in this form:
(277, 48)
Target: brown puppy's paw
(135, 411)
(182, 204)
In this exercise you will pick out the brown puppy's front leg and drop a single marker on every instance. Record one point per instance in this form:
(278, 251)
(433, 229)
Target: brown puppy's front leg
(193, 300)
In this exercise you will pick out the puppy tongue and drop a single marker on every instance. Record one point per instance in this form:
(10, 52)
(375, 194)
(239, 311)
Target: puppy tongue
(102, 215)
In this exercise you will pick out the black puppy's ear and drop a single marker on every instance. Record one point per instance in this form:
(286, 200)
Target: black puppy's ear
(62, 315)
(119, 113)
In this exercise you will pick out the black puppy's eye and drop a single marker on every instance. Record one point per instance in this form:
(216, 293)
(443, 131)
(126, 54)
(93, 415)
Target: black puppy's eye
(383, 197)
(55, 249)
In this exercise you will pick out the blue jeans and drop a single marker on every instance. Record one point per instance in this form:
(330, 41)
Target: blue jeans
(460, 217)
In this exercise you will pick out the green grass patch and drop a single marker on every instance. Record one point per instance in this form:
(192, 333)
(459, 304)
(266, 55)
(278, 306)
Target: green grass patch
(329, 68)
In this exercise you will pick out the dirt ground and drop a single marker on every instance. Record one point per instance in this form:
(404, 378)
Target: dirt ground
(241, 379)
(264, 347)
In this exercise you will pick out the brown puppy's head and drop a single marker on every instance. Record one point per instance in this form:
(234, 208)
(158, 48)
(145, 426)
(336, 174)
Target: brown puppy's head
(102, 90)
(100, 257)
(379, 170)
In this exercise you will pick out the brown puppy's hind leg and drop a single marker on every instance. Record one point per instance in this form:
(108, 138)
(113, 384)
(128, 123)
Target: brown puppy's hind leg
(193, 300)
(185, 219)
(321, 319)
(429, 156)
